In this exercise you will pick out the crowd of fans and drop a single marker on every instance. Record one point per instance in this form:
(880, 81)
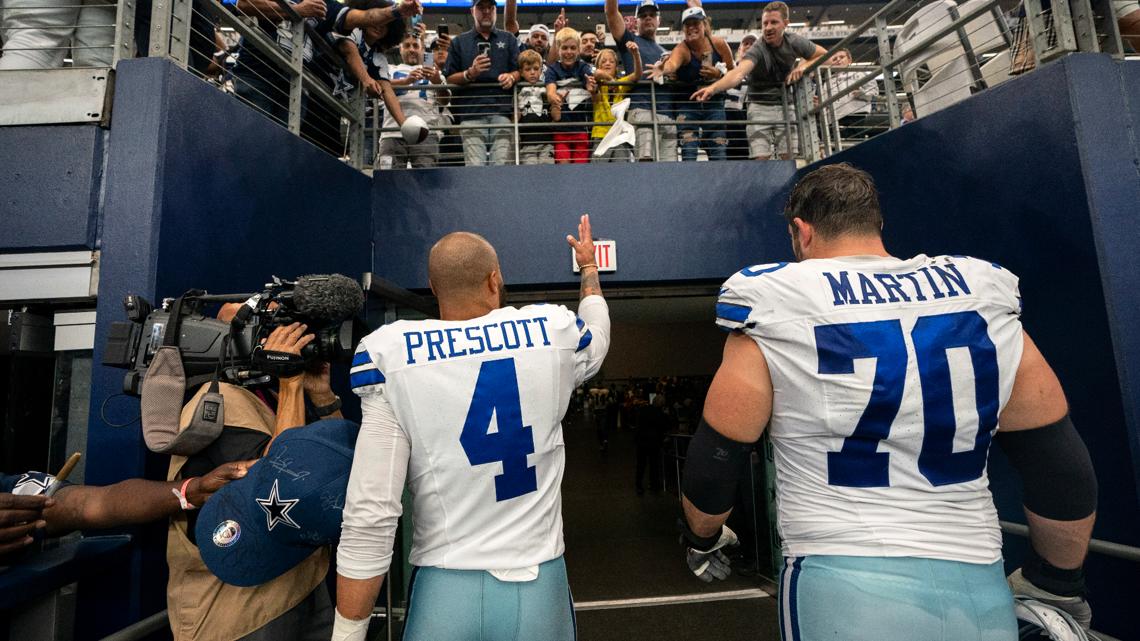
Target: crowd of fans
(561, 112)
(691, 99)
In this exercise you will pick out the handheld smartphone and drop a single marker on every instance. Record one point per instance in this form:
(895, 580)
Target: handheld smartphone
(484, 48)
(443, 30)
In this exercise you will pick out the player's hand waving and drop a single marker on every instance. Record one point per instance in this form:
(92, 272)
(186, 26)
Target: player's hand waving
(711, 562)
(583, 245)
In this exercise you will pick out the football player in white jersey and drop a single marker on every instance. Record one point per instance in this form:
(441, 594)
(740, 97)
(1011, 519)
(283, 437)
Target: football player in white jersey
(881, 382)
(467, 410)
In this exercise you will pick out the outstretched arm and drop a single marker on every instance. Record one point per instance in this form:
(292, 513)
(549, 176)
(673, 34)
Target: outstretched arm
(132, 501)
(511, 17)
(728, 81)
(615, 21)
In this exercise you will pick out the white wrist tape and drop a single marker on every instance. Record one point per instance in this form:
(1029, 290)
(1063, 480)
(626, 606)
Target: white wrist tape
(345, 629)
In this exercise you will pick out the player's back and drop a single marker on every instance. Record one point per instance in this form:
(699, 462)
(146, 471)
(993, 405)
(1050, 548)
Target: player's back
(888, 378)
(481, 402)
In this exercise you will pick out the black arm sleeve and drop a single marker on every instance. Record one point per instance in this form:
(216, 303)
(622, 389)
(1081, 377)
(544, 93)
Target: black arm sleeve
(713, 466)
(1055, 468)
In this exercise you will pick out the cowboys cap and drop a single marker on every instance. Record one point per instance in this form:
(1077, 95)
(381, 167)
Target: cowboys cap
(257, 528)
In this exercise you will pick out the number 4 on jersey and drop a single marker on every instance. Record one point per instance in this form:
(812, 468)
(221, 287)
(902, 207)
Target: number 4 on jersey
(497, 395)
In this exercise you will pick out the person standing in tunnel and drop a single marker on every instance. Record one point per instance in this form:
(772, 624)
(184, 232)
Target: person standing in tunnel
(653, 422)
(882, 382)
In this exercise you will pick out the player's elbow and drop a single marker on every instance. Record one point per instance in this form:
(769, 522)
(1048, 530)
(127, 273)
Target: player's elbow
(1055, 468)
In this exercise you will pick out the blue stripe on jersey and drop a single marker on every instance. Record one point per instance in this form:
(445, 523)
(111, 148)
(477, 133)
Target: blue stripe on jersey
(367, 377)
(733, 312)
(361, 358)
(579, 322)
(785, 634)
(793, 615)
(584, 341)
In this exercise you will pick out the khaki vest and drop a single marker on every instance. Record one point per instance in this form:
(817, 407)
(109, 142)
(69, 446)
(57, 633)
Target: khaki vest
(203, 608)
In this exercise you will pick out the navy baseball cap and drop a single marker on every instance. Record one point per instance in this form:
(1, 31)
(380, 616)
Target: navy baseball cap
(290, 503)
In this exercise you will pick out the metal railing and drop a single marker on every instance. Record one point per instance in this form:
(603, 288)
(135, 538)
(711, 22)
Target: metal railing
(944, 53)
(516, 128)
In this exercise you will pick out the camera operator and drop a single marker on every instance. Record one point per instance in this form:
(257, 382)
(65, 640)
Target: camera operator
(296, 604)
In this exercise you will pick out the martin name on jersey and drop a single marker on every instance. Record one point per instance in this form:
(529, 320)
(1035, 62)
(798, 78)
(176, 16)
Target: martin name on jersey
(889, 376)
(481, 402)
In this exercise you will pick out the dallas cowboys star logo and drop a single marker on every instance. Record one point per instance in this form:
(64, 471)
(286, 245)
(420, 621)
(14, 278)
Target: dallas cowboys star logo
(277, 510)
(501, 45)
(27, 480)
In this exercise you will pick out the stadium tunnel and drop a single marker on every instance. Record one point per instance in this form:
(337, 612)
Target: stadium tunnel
(188, 188)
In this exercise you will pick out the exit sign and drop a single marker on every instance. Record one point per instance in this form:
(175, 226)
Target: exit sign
(605, 255)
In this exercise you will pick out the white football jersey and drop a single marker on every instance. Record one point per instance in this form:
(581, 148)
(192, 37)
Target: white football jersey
(481, 402)
(415, 100)
(888, 378)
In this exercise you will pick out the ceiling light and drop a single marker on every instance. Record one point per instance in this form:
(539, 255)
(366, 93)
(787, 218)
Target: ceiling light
(833, 22)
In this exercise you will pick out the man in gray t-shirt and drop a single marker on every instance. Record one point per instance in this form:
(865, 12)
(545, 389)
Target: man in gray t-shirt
(768, 65)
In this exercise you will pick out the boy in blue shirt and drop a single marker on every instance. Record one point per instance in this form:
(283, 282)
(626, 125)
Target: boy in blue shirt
(569, 83)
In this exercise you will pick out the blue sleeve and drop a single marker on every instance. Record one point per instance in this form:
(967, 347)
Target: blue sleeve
(454, 62)
(364, 376)
(549, 75)
(7, 482)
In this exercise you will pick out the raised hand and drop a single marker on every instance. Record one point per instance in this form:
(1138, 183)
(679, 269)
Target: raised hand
(583, 245)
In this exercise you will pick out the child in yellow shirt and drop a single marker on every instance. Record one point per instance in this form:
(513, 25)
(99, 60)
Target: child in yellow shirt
(606, 95)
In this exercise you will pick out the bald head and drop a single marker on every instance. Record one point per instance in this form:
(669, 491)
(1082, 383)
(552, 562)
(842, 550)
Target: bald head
(459, 264)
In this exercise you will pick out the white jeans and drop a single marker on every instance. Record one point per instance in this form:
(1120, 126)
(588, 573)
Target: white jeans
(38, 33)
(490, 146)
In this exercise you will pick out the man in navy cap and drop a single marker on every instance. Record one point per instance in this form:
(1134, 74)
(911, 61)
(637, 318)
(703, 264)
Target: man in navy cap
(642, 102)
(486, 56)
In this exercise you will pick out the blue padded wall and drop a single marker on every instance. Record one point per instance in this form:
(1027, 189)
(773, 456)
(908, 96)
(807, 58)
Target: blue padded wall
(201, 192)
(671, 221)
(1040, 175)
(50, 180)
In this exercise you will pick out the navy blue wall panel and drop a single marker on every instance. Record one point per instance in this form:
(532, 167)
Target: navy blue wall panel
(50, 179)
(1110, 153)
(1013, 176)
(201, 192)
(672, 221)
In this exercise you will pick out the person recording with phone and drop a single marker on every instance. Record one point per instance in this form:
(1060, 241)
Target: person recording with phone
(410, 78)
(375, 27)
(486, 57)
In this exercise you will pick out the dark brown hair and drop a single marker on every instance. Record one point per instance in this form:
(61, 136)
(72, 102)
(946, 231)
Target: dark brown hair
(837, 200)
